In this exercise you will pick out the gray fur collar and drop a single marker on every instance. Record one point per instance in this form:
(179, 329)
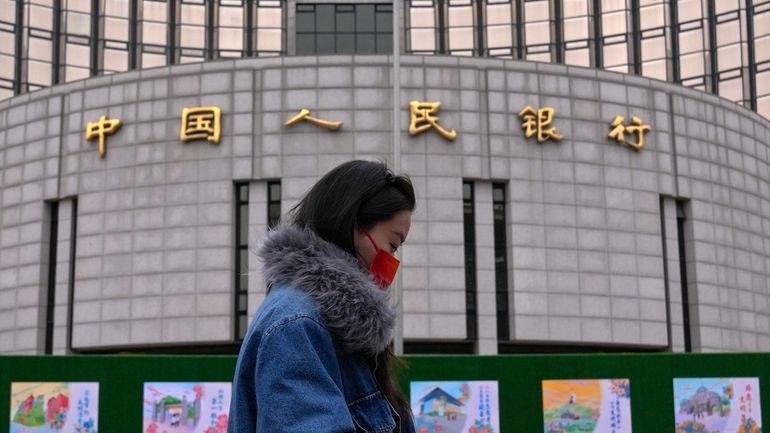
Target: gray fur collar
(355, 309)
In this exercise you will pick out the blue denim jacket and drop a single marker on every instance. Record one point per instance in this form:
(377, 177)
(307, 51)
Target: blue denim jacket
(303, 365)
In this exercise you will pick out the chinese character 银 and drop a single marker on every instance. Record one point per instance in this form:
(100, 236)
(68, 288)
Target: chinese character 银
(536, 122)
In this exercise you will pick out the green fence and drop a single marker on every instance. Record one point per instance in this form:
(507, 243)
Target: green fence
(519, 377)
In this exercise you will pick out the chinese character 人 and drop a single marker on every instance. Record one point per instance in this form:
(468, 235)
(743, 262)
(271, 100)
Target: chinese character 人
(422, 119)
(201, 123)
(304, 114)
(636, 127)
(101, 128)
(535, 123)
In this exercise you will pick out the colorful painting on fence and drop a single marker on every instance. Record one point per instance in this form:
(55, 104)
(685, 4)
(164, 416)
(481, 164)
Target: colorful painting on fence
(587, 406)
(54, 407)
(186, 407)
(455, 407)
(717, 405)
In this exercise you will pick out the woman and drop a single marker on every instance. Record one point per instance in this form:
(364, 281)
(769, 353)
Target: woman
(317, 355)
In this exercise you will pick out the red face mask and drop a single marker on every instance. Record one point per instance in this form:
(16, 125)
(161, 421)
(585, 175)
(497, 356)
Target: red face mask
(384, 265)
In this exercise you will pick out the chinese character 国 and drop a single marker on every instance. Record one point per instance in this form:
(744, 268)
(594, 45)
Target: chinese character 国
(201, 123)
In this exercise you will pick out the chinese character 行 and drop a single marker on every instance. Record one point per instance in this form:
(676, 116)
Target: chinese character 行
(535, 123)
(422, 119)
(201, 123)
(101, 128)
(304, 114)
(636, 127)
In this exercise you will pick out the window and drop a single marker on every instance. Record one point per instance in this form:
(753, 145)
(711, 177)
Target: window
(653, 27)
(460, 28)
(469, 230)
(269, 29)
(241, 259)
(191, 30)
(8, 29)
(76, 40)
(154, 33)
(692, 35)
(681, 220)
(344, 28)
(424, 27)
(731, 46)
(617, 36)
(231, 28)
(501, 260)
(273, 203)
(500, 27)
(52, 212)
(538, 22)
(761, 21)
(116, 22)
(578, 34)
(38, 44)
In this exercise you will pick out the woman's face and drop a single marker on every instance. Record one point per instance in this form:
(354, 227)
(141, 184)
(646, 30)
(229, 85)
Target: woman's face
(388, 235)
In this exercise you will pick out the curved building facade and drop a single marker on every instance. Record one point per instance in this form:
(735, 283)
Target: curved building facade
(575, 208)
(721, 47)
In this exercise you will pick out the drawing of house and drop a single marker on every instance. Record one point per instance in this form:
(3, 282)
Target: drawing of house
(439, 400)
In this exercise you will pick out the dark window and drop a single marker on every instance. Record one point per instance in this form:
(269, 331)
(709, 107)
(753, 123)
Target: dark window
(501, 261)
(681, 220)
(53, 225)
(469, 230)
(344, 28)
(241, 259)
(273, 203)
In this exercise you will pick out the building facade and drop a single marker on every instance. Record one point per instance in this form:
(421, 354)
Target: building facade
(575, 209)
(721, 47)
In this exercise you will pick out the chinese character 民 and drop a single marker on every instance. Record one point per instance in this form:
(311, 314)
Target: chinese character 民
(636, 127)
(201, 123)
(422, 119)
(101, 128)
(304, 114)
(535, 123)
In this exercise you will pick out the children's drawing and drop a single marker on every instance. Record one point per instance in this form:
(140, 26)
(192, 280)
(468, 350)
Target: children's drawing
(455, 407)
(186, 407)
(587, 406)
(717, 405)
(54, 407)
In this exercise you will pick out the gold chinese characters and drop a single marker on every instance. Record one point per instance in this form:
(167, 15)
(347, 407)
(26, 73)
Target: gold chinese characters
(535, 123)
(100, 129)
(619, 130)
(201, 123)
(422, 119)
(304, 114)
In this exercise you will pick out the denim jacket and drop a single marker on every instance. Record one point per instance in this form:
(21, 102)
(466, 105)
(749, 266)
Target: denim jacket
(305, 363)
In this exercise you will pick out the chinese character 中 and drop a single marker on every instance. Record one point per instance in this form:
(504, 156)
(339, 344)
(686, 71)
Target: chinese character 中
(201, 123)
(304, 114)
(535, 122)
(100, 129)
(422, 119)
(636, 127)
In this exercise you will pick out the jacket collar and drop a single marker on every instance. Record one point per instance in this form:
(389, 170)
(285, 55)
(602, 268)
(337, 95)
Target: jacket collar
(356, 311)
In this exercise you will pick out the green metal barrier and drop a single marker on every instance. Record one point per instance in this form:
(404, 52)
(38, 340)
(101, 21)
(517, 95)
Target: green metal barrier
(519, 377)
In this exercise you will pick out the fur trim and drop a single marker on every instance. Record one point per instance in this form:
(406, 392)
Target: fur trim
(355, 309)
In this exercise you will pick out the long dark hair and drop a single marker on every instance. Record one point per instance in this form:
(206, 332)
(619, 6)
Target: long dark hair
(358, 193)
